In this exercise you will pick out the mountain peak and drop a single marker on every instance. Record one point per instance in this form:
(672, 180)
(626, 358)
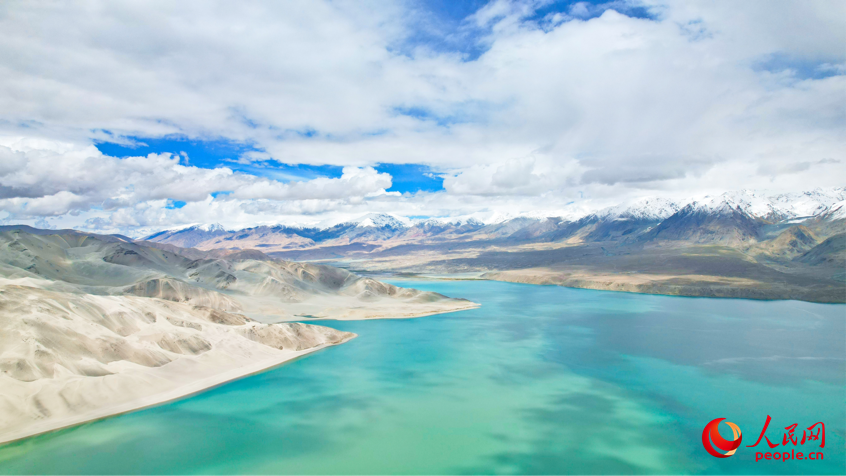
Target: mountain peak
(836, 211)
(380, 220)
(825, 203)
(643, 209)
(211, 228)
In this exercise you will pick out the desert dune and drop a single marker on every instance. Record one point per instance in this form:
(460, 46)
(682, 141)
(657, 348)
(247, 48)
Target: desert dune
(91, 326)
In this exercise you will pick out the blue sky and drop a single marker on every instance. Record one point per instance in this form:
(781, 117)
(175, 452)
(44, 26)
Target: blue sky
(320, 111)
(215, 153)
(202, 153)
(443, 27)
(406, 178)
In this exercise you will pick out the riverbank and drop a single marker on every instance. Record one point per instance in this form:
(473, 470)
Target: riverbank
(197, 386)
(690, 285)
(19, 432)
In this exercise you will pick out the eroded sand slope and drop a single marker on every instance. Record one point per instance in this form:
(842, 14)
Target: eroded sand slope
(91, 326)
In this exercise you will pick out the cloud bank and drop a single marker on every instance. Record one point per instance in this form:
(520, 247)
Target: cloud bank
(524, 105)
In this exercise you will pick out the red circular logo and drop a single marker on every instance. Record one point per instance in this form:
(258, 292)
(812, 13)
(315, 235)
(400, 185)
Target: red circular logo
(721, 443)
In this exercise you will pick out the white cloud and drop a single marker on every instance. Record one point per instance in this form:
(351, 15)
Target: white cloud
(605, 107)
(47, 178)
(526, 176)
(354, 182)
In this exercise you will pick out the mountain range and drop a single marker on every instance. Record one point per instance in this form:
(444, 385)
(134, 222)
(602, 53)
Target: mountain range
(87, 318)
(739, 244)
(733, 217)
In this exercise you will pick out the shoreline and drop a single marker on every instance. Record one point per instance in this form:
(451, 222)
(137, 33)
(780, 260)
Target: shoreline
(654, 287)
(709, 289)
(164, 397)
(404, 316)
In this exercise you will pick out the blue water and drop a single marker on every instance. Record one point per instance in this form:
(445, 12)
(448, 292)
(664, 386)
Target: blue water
(539, 380)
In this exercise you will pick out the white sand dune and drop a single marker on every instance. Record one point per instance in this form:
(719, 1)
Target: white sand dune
(92, 326)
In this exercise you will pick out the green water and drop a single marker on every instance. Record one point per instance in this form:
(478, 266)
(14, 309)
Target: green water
(539, 380)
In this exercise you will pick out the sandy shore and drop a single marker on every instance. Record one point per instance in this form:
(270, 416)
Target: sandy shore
(95, 326)
(352, 315)
(227, 352)
(67, 358)
(690, 285)
(196, 386)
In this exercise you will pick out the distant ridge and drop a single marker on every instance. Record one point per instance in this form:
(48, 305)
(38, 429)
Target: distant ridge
(66, 231)
(730, 218)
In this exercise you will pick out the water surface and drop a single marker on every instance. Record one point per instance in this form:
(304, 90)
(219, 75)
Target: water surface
(539, 380)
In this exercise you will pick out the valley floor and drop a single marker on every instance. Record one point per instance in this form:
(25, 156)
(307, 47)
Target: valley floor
(688, 270)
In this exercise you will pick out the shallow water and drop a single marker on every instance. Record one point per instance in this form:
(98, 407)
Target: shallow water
(539, 380)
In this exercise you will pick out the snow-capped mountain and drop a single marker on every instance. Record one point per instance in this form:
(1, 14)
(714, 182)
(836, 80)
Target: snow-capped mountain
(731, 217)
(188, 237)
(203, 227)
(812, 203)
(213, 228)
(478, 218)
(487, 218)
(836, 211)
(774, 207)
(449, 221)
(750, 202)
(380, 220)
(643, 209)
(724, 219)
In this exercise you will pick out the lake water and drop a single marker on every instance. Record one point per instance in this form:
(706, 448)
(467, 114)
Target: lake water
(539, 380)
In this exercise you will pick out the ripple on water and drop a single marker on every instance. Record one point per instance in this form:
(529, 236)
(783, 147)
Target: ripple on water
(539, 380)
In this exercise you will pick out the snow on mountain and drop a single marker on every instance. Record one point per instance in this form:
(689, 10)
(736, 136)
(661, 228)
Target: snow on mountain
(774, 208)
(204, 227)
(643, 209)
(758, 204)
(449, 221)
(827, 204)
(189, 236)
(731, 218)
(753, 203)
(211, 228)
(811, 203)
(836, 211)
(381, 220)
(496, 218)
(479, 218)
(714, 206)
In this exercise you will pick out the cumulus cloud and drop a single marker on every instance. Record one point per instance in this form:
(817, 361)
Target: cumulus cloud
(48, 178)
(585, 102)
(354, 182)
(526, 176)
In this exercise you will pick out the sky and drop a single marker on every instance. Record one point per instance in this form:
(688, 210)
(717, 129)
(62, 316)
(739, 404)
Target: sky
(132, 117)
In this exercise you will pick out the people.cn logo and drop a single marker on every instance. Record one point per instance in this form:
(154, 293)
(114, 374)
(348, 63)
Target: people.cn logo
(711, 433)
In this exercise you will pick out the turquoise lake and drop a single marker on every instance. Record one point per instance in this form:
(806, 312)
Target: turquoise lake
(539, 380)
